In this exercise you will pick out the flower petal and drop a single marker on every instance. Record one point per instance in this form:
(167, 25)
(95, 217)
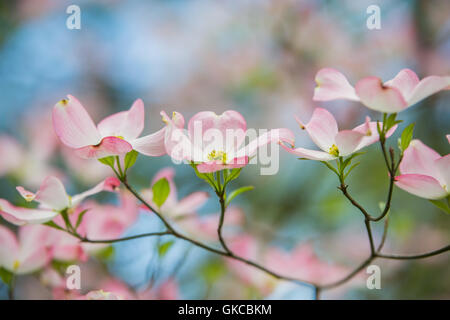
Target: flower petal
(21, 216)
(421, 185)
(369, 129)
(73, 125)
(34, 253)
(9, 247)
(176, 141)
(331, 85)
(127, 124)
(322, 128)
(443, 171)
(225, 132)
(274, 135)
(213, 166)
(419, 159)
(51, 194)
(309, 154)
(376, 96)
(405, 81)
(191, 203)
(151, 145)
(347, 141)
(428, 86)
(109, 146)
(109, 184)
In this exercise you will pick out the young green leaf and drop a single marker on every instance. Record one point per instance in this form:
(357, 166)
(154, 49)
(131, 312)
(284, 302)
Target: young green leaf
(80, 218)
(237, 192)
(109, 161)
(130, 159)
(6, 276)
(161, 190)
(51, 224)
(164, 248)
(441, 205)
(406, 137)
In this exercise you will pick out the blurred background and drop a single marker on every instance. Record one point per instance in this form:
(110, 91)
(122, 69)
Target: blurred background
(259, 58)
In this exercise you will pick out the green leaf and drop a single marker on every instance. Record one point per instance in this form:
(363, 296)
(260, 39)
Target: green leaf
(213, 270)
(330, 167)
(6, 276)
(351, 168)
(109, 161)
(164, 248)
(441, 205)
(406, 137)
(130, 159)
(390, 122)
(234, 174)
(106, 254)
(51, 224)
(237, 192)
(161, 190)
(80, 218)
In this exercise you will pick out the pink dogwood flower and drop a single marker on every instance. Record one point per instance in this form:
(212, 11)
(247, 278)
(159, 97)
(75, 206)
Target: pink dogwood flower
(424, 172)
(215, 142)
(25, 253)
(323, 130)
(392, 96)
(115, 135)
(52, 198)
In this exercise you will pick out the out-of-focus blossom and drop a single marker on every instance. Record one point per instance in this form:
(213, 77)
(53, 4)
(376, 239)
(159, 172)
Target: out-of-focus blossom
(52, 198)
(10, 147)
(301, 263)
(323, 130)
(26, 253)
(215, 142)
(104, 222)
(100, 295)
(167, 290)
(392, 96)
(424, 172)
(115, 135)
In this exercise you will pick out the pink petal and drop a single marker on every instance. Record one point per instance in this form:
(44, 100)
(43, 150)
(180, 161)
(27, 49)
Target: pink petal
(274, 135)
(226, 131)
(126, 124)
(448, 138)
(421, 185)
(51, 194)
(405, 81)
(151, 145)
(376, 96)
(109, 184)
(309, 154)
(109, 146)
(9, 247)
(443, 171)
(176, 141)
(348, 141)
(428, 86)
(21, 216)
(322, 128)
(191, 203)
(369, 129)
(332, 85)
(73, 125)
(419, 159)
(34, 252)
(213, 166)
